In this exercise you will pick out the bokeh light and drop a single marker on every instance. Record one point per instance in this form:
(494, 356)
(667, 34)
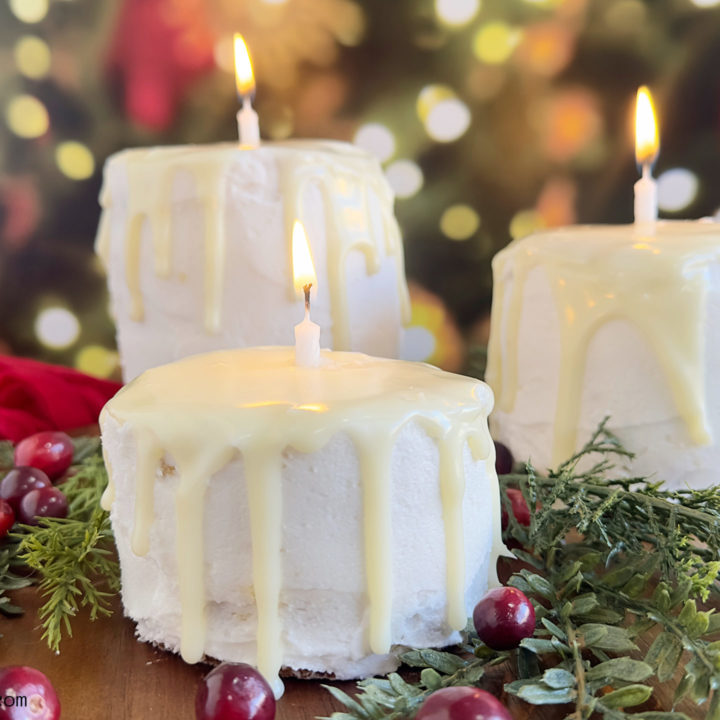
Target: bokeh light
(495, 41)
(456, 12)
(97, 360)
(626, 16)
(223, 52)
(459, 222)
(677, 189)
(27, 117)
(75, 160)
(705, 3)
(526, 222)
(57, 327)
(546, 48)
(570, 122)
(377, 139)
(448, 120)
(29, 11)
(405, 178)
(32, 57)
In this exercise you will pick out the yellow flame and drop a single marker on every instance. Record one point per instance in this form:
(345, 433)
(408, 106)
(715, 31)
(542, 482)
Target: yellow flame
(647, 143)
(244, 77)
(303, 268)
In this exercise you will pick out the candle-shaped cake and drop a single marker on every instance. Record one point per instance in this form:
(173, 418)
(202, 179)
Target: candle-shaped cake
(197, 245)
(311, 518)
(197, 241)
(589, 322)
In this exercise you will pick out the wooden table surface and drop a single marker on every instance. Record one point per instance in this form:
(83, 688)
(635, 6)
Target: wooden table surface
(104, 672)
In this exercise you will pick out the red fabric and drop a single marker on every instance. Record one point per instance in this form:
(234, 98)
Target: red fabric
(35, 396)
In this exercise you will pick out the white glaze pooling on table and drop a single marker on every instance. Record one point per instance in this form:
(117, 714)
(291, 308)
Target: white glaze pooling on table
(202, 410)
(656, 282)
(346, 177)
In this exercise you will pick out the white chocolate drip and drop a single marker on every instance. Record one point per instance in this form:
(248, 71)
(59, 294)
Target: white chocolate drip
(347, 179)
(657, 282)
(201, 411)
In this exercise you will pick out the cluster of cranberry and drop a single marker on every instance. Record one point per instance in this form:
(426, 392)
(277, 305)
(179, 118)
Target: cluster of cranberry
(504, 616)
(27, 492)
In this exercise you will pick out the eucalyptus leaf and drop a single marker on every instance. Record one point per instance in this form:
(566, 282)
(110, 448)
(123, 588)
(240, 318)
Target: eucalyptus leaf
(664, 654)
(627, 697)
(558, 678)
(606, 637)
(622, 668)
(541, 694)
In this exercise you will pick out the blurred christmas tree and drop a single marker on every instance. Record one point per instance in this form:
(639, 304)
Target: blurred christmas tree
(492, 119)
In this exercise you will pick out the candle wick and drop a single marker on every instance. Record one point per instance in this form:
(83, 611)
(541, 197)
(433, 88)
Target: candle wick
(306, 290)
(646, 171)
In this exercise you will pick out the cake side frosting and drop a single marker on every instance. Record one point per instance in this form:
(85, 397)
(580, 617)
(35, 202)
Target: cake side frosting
(145, 189)
(600, 276)
(199, 413)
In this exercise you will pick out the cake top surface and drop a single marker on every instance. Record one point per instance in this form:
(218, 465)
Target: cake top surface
(255, 383)
(676, 239)
(189, 154)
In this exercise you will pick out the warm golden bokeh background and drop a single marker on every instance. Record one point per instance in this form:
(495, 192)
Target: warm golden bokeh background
(491, 117)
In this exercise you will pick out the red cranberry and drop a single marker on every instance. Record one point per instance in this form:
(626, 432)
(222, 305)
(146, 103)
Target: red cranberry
(234, 691)
(39, 699)
(503, 618)
(19, 482)
(520, 508)
(462, 703)
(51, 451)
(7, 517)
(503, 459)
(44, 502)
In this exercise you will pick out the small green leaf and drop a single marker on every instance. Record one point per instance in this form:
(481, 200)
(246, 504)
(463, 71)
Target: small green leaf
(538, 645)
(698, 625)
(664, 654)
(688, 612)
(347, 701)
(606, 637)
(539, 585)
(555, 630)
(472, 674)
(541, 694)
(713, 623)
(627, 697)
(431, 679)
(443, 662)
(558, 678)
(700, 690)
(621, 668)
(583, 604)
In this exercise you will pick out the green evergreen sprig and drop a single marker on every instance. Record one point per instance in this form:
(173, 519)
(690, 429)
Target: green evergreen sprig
(609, 560)
(73, 558)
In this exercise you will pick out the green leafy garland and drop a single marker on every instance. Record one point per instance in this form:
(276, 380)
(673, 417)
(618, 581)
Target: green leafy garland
(608, 561)
(73, 558)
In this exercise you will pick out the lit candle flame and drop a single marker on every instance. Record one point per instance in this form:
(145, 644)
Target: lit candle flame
(244, 77)
(647, 143)
(303, 268)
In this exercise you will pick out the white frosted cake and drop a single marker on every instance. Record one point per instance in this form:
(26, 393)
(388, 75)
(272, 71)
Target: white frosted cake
(589, 322)
(313, 519)
(196, 241)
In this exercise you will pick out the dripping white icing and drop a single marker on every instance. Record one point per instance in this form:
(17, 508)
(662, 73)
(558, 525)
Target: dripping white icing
(203, 410)
(656, 282)
(346, 177)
